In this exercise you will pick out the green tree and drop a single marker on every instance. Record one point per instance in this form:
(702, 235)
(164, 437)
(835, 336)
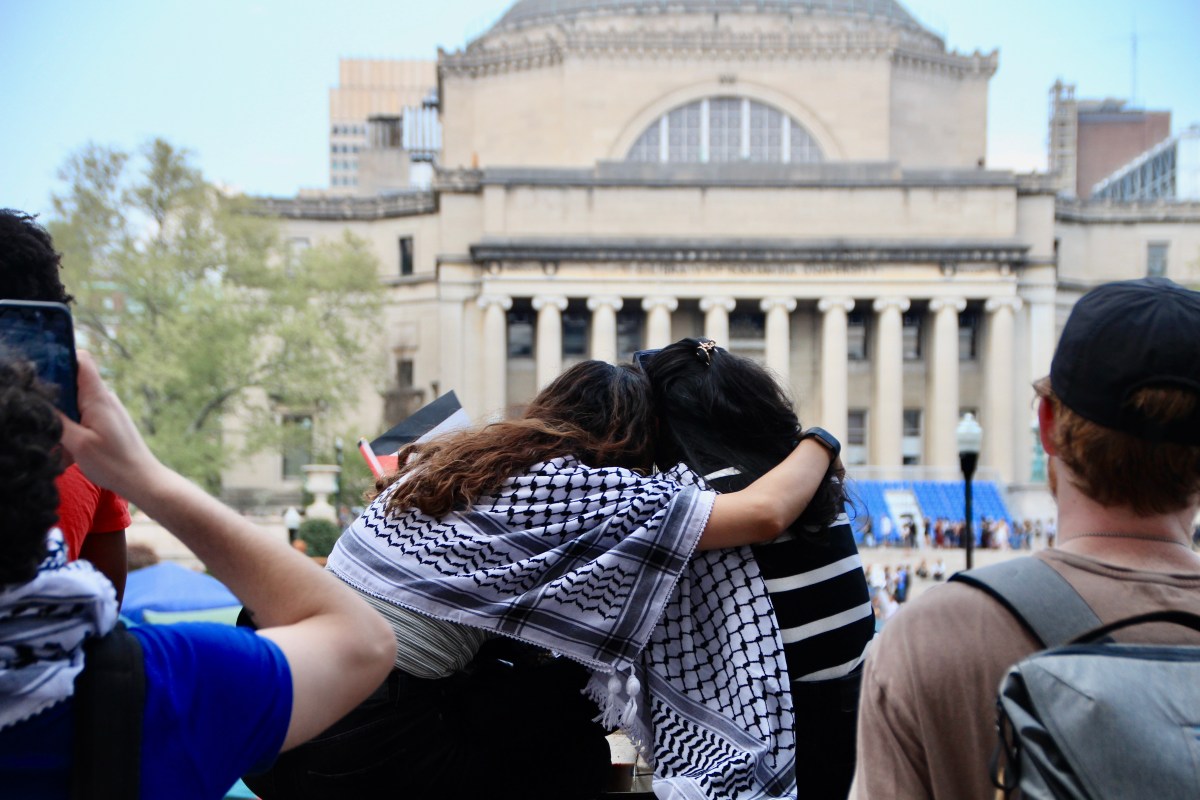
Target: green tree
(197, 309)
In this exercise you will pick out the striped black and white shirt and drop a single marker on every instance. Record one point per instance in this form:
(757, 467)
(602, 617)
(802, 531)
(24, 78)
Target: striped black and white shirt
(816, 582)
(821, 600)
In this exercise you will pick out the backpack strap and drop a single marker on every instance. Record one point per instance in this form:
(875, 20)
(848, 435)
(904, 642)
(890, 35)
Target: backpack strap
(1037, 595)
(110, 696)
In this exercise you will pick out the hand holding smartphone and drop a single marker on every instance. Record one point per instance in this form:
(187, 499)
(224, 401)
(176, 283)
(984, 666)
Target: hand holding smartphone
(44, 334)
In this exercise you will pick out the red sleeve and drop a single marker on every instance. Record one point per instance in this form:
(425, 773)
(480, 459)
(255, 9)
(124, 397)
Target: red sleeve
(112, 513)
(84, 508)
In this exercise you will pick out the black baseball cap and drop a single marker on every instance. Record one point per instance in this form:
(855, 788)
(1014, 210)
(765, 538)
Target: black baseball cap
(1125, 336)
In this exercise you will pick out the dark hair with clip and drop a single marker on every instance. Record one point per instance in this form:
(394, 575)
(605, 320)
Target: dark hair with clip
(717, 410)
(704, 350)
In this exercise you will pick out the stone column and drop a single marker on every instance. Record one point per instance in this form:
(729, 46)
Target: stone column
(495, 353)
(716, 318)
(658, 320)
(604, 327)
(887, 411)
(1036, 338)
(778, 335)
(834, 348)
(941, 412)
(999, 432)
(548, 350)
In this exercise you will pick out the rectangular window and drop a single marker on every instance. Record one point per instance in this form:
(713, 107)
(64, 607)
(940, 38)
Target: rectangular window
(404, 373)
(747, 331)
(1156, 260)
(574, 333)
(856, 437)
(406, 255)
(968, 336)
(911, 442)
(911, 337)
(297, 444)
(856, 336)
(629, 331)
(520, 333)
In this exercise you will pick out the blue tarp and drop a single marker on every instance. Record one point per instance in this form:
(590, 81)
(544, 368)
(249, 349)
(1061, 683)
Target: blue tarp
(170, 587)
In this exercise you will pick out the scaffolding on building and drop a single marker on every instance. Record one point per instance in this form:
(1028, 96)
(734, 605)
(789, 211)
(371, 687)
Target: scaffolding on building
(1064, 137)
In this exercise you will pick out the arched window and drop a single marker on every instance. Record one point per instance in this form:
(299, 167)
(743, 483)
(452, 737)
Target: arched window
(725, 129)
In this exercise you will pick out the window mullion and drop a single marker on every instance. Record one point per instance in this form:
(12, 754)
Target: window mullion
(745, 148)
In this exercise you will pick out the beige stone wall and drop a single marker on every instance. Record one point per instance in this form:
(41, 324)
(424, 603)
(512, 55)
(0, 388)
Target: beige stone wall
(885, 212)
(1035, 225)
(1098, 252)
(938, 119)
(384, 237)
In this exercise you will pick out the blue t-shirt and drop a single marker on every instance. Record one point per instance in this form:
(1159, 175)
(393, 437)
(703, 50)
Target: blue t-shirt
(218, 703)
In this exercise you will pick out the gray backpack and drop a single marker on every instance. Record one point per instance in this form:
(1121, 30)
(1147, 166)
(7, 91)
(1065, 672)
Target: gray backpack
(1089, 718)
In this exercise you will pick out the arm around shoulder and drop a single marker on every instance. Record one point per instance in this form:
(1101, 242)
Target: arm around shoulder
(765, 508)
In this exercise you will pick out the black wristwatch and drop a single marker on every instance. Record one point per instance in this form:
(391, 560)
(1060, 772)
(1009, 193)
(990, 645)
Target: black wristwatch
(825, 438)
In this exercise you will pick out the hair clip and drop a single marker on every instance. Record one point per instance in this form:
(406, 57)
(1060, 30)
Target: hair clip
(704, 350)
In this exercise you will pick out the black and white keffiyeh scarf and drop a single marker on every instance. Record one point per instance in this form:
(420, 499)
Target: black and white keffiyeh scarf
(43, 625)
(596, 564)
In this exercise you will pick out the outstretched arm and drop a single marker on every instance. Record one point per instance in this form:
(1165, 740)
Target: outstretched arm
(338, 649)
(765, 508)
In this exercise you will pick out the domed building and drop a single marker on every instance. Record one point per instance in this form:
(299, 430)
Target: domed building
(801, 180)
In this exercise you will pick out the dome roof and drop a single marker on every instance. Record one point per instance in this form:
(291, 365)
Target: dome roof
(527, 13)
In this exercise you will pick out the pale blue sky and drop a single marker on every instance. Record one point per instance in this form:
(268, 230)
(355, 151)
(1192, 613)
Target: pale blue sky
(243, 83)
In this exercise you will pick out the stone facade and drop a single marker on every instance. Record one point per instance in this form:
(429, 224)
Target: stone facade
(887, 276)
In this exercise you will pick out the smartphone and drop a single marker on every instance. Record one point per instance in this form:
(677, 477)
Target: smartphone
(44, 334)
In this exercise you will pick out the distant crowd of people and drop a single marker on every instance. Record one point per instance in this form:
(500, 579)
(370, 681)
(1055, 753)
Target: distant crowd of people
(992, 534)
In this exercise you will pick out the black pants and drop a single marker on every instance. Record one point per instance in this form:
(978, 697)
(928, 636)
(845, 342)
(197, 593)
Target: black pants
(513, 726)
(826, 721)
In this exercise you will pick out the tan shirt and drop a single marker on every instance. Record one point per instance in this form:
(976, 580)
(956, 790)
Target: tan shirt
(927, 720)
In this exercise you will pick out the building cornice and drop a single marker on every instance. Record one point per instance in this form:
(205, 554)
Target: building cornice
(1036, 183)
(950, 254)
(516, 55)
(1126, 213)
(406, 204)
(623, 174)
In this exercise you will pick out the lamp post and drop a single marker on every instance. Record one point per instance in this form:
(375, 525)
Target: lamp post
(969, 436)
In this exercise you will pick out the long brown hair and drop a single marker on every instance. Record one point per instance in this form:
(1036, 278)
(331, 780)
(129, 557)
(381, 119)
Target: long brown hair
(597, 412)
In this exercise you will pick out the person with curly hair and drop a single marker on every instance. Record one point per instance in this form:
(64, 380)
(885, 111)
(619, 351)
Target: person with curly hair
(215, 700)
(92, 519)
(29, 462)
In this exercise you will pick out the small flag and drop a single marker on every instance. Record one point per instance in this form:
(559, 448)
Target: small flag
(443, 415)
